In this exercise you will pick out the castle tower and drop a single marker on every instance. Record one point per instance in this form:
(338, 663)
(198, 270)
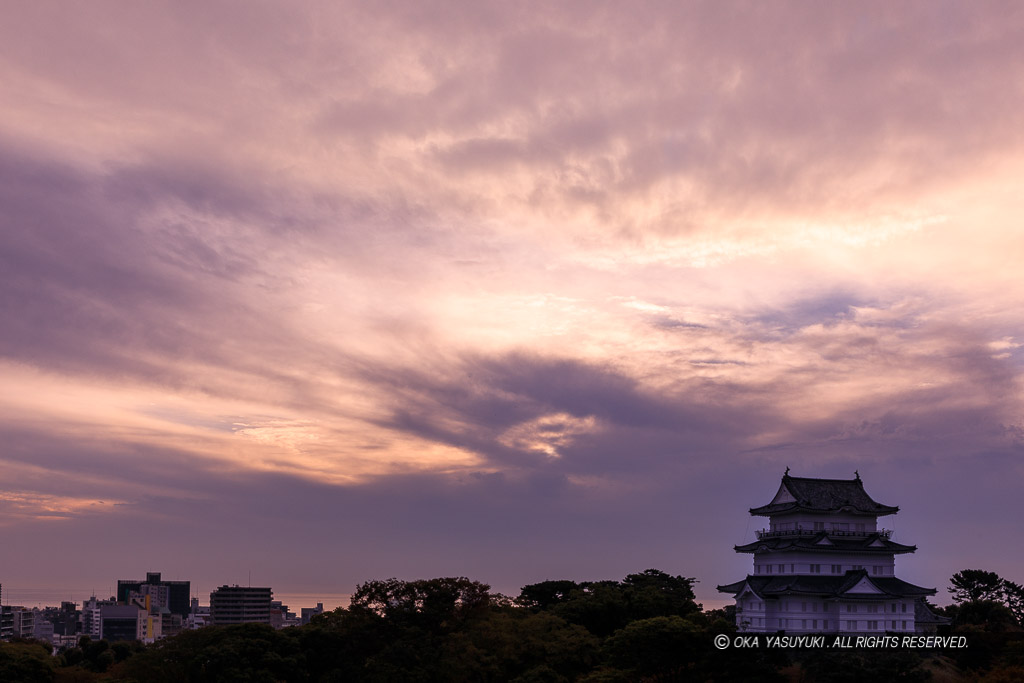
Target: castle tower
(824, 566)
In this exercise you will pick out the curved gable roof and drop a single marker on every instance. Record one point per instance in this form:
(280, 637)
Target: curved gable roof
(843, 586)
(823, 495)
(821, 542)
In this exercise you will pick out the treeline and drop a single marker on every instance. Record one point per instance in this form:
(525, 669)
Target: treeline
(449, 629)
(455, 629)
(985, 600)
(990, 610)
(645, 627)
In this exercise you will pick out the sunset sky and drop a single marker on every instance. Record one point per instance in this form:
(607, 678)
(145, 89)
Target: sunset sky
(331, 291)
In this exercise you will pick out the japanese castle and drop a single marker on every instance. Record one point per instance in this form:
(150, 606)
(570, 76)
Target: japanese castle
(823, 565)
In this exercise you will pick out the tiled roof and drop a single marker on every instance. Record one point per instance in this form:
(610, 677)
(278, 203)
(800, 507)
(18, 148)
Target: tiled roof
(813, 543)
(825, 495)
(828, 586)
(733, 587)
(923, 615)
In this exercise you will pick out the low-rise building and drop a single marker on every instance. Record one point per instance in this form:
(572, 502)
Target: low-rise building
(121, 622)
(16, 622)
(308, 613)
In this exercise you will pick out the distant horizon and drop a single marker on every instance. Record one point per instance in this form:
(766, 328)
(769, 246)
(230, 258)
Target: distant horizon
(44, 597)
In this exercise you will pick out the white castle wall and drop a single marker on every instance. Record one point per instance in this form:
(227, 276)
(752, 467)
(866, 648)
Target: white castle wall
(826, 563)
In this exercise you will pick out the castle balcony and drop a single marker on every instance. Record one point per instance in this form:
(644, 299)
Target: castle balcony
(788, 533)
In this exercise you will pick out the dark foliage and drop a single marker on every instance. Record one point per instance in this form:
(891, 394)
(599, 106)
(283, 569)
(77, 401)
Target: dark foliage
(26, 660)
(988, 615)
(646, 627)
(972, 585)
(248, 652)
(603, 607)
(827, 666)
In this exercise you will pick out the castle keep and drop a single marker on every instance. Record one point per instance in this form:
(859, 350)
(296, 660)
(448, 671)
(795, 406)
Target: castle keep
(823, 566)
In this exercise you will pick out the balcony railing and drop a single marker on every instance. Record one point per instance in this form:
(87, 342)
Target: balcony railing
(768, 533)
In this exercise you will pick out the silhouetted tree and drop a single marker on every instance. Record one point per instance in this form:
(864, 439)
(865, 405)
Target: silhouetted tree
(971, 585)
(428, 602)
(1013, 598)
(654, 593)
(990, 615)
(242, 653)
(603, 607)
(652, 646)
(599, 606)
(28, 661)
(546, 594)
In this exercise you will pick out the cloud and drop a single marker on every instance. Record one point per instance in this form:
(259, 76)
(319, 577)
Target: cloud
(481, 278)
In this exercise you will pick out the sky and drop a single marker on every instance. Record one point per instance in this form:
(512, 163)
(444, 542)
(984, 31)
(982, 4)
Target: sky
(320, 293)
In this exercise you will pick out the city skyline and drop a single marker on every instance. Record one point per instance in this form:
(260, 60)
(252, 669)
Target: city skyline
(53, 597)
(341, 292)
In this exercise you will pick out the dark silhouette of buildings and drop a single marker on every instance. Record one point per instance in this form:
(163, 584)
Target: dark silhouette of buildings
(240, 605)
(178, 592)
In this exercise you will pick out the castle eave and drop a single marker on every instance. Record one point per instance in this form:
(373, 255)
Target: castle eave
(830, 587)
(801, 494)
(823, 542)
(732, 587)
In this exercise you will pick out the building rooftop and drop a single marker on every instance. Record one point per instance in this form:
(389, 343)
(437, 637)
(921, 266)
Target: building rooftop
(826, 542)
(852, 585)
(803, 494)
(923, 615)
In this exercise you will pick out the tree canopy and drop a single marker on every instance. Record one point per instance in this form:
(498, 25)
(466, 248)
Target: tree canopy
(971, 585)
